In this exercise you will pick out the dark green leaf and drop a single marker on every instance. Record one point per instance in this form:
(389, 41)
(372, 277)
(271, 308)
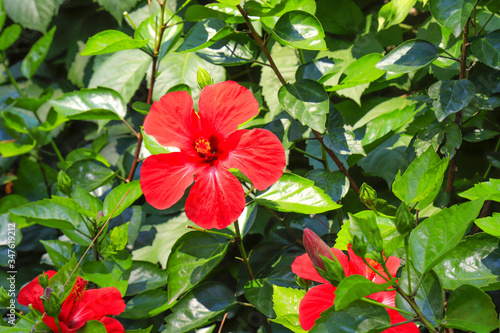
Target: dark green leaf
(193, 257)
(318, 70)
(93, 326)
(113, 272)
(301, 30)
(293, 193)
(353, 287)
(306, 101)
(49, 214)
(345, 18)
(259, 293)
(479, 135)
(204, 34)
(116, 8)
(141, 107)
(434, 238)
(59, 252)
(452, 14)
(227, 13)
(487, 49)
(110, 41)
(9, 36)
(471, 309)
(30, 181)
(147, 304)
(409, 56)
(451, 96)
(235, 49)
(133, 192)
(334, 183)
(37, 54)
(145, 276)
(90, 174)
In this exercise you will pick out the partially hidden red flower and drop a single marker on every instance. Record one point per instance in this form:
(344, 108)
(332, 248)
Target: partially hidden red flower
(321, 297)
(79, 307)
(210, 144)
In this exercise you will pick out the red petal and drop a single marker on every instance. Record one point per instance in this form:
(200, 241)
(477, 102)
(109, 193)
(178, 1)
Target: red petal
(94, 305)
(50, 322)
(30, 293)
(385, 297)
(396, 317)
(224, 106)
(172, 120)
(316, 300)
(112, 325)
(303, 267)
(257, 153)
(216, 199)
(165, 177)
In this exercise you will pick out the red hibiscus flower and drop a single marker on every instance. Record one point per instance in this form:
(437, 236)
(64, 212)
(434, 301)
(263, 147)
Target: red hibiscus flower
(81, 306)
(322, 296)
(210, 144)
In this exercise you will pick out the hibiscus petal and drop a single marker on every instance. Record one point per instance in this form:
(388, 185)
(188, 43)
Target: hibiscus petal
(216, 199)
(385, 297)
(257, 153)
(224, 106)
(112, 325)
(94, 305)
(303, 267)
(30, 293)
(50, 322)
(396, 317)
(165, 177)
(172, 120)
(316, 300)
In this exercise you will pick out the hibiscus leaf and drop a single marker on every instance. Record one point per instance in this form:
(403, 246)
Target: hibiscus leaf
(409, 56)
(334, 183)
(90, 174)
(193, 257)
(292, 193)
(232, 50)
(146, 305)
(113, 272)
(485, 191)
(204, 34)
(452, 14)
(49, 214)
(353, 287)
(93, 326)
(110, 41)
(37, 54)
(64, 278)
(286, 305)
(301, 30)
(145, 276)
(132, 191)
(487, 49)
(360, 72)
(450, 96)
(490, 225)
(200, 306)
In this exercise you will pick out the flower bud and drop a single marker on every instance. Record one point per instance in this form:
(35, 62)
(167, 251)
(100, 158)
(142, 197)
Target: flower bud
(405, 221)
(64, 183)
(368, 196)
(304, 283)
(43, 280)
(204, 78)
(4, 298)
(358, 246)
(315, 248)
(51, 303)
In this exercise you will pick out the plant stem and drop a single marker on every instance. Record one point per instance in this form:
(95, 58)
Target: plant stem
(211, 232)
(408, 264)
(481, 30)
(58, 153)
(9, 74)
(419, 313)
(376, 271)
(239, 240)
(371, 301)
(130, 128)
(309, 155)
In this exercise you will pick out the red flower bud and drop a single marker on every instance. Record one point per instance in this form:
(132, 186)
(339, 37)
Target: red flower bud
(315, 248)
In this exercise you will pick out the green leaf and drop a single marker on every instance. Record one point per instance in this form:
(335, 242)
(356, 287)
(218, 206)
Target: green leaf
(3, 14)
(452, 14)
(110, 41)
(200, 306)
(300, 29)
(286, 305)
(145, 276)
(334, 183)
(117, 194)
(9, 36)
(490, 225)
(116, 8)
(434, 238)
(487, 49)
(422, 180)
(193, 257)
(360, 72)
(32, 14)
(59, 252)
(146, 305)
(474, 262)
(30, 181)
(450, 96)
(15, 122)
(479, 135)
(227, 13)
(230, 2)
(154, 147)
(113, 272)
(90, 174)
(471, 309)
(394, 12)
(93, 326)
(63, 281)
(358, 317)
(409, 56)
(318, 70)
(306, 101)
(9, 148)
(141, 107)
(345, 18)
(259, 293)
(292, 193)
(204, 34)
(49, 214)
(37, 54)
(484, 191)
(235, 49)
(122, 71)
(354, 287)
(89, 104)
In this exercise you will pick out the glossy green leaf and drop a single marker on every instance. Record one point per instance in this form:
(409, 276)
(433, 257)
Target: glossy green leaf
(361, 71)
(286, 306)
(358, 317)
(475, 261)
(300, 29)
(230, 2)
(154, 147)
(479, 135)
(9, 148)
(49, 214)
(292, 193)
(132, 191)
(484, 191)
(422, 180)
(32, 14)
(146, 305)
(193, 257)
(14, 122)
(434, 238)
(145, 276)
(110, 41)
(306, 101)
(116, 8)
(204, 34)
(354, 287)
(471, 309)
(113, 272)
(334, 183)
(90, 174)
(490, 225)
(487, 49)
(59, 252)
(122, 71)
(259, 293)
(200, 306)
(141, 107)
(450, 96)
(37, 54)
(318, 70)
(84, 154)
(92, 326)
(63, 281)
(87, 104)
(222, 11)
(409, 56)
(3, 15)
(235, 49)
(9, 36)
(394, 12)
(452, 14)
(86, 200)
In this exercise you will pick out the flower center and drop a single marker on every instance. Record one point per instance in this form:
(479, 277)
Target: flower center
(202, 145)
(79, 290)
(370, 273)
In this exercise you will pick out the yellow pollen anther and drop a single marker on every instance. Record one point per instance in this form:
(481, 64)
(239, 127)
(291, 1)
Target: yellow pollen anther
(202, 145)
